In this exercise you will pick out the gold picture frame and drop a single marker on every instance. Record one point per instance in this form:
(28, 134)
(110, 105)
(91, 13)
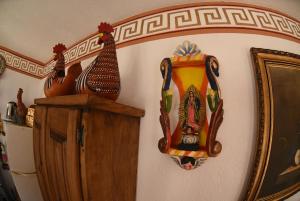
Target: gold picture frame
(276, 172)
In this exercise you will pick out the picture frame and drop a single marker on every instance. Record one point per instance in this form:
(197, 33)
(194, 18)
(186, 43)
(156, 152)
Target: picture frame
(276, 171)
(2, 64)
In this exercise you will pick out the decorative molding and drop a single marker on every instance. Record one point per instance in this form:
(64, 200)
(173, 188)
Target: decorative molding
(218, 17)
(23, 64)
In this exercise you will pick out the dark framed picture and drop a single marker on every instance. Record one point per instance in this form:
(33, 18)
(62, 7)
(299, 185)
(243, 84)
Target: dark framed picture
(276, 173)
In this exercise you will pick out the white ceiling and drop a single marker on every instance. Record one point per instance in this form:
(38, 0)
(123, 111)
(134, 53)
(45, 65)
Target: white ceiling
(32, 27)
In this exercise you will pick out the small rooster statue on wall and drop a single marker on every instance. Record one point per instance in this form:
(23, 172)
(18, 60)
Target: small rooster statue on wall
(57, 83)
(21, 108)
(102, 77)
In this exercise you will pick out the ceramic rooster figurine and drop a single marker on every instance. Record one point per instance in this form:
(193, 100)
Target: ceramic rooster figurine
(102, 76)
(21, 108)
(57, 83)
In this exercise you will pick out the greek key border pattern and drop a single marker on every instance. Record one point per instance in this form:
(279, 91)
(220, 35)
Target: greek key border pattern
(23, 65)
(192, 18)
(206, 17)
(177, 20)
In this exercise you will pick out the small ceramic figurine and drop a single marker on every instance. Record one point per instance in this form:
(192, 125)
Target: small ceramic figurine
(102, 76)
(21, 108)
(30, 116)
(57, 83)
(191, 106)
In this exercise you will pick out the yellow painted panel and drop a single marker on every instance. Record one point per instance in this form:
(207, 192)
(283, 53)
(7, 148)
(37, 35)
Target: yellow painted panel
(203, 135)
(190, 76)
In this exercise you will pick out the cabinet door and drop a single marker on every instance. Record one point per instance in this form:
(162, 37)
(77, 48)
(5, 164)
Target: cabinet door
(38, 149)
(62, 154)
(109, 156)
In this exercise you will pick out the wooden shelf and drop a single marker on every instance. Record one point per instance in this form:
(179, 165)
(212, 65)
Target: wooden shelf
(89, 101)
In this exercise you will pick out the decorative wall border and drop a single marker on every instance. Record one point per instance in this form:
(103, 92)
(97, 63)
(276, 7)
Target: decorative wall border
(198, 18)
(23, 64)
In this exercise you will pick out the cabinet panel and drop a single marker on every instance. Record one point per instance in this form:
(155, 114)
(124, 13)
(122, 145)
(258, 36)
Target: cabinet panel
(57, 153)
(62, 154)
(109, 156)
(87, 148)
(39, 149)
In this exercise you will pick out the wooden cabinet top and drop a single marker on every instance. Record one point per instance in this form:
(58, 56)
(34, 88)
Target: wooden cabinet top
(89, 101)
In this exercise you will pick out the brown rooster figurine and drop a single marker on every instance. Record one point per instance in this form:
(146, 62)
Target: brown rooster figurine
(21, 108)
(57, 83)
(102, 76)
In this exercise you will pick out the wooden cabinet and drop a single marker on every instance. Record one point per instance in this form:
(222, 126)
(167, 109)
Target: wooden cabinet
(86, 148)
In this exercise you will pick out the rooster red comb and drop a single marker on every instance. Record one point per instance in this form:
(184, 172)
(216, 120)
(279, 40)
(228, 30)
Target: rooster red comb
(59, 48)
(105, 27)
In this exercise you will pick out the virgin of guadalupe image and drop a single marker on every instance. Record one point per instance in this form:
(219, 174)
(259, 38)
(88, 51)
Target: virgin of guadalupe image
(191, 112)
(189, 87)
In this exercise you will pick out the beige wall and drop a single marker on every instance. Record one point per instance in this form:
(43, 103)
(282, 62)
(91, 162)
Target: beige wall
(159, 179)
(11, 81)
(218, 179)
(32, 27)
